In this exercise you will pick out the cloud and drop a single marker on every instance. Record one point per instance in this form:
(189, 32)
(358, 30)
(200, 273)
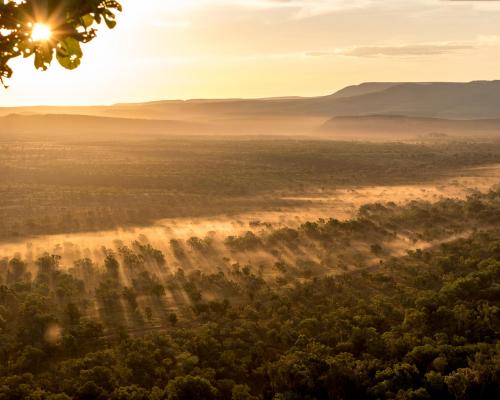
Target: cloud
(300, 8)
(310, 8)
(398, 50)
(418, 49)
(477, 4)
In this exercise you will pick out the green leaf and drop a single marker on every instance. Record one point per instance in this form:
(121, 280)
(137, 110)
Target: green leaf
(43, 56)
(69, 53)
(110, 23)
(109, 19)
(87, 20)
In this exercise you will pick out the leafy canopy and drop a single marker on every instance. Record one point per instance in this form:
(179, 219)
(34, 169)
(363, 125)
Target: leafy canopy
(68, 23)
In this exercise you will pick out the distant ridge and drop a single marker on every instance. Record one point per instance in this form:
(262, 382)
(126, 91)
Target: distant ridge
(68, 125)
(363, 88)
(444, 100)
(403, 127)
(472, 100)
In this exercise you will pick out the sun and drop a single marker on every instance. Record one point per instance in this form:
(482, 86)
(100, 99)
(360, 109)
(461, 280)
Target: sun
(41, 33)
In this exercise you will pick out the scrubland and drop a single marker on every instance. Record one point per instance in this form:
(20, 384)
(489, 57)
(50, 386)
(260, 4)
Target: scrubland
(66, 185)
(211, 267)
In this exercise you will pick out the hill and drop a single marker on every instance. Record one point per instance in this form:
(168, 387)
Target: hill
(372, 109)
(473, 100)
(59, 125)
(73, 126)
(387, 127)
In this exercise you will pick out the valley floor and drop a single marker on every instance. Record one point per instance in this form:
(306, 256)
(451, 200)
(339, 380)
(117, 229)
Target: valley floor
(340, 204)
(260, 269)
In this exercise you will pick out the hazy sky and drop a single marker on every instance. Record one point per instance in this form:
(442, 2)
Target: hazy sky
(166, 49)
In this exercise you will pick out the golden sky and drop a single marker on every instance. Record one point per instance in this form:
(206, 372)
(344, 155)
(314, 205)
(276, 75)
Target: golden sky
(170, 49)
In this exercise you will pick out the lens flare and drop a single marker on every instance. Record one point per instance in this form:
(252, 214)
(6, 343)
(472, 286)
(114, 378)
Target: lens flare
(41, 33)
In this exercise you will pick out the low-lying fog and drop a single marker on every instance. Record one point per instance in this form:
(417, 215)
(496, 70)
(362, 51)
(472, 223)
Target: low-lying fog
(339, 204)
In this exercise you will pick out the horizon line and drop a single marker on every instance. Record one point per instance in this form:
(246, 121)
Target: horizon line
(277, 97)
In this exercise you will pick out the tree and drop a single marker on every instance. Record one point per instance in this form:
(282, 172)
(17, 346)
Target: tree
(190, 387)
(173, 318)
(242, 392)
(130, 393)
(64, 25)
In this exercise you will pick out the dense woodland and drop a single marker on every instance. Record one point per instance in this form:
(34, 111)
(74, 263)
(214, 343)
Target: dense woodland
(325, 324)
(70, 184)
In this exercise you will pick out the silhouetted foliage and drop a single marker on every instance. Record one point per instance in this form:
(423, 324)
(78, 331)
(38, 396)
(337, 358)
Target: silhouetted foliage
(71, 22)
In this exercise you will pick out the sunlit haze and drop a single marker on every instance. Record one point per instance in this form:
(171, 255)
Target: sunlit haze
(41, 32)
(169, 49)
(320, 221)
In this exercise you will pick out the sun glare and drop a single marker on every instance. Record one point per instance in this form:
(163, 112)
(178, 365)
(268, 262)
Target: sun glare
(41, 33)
